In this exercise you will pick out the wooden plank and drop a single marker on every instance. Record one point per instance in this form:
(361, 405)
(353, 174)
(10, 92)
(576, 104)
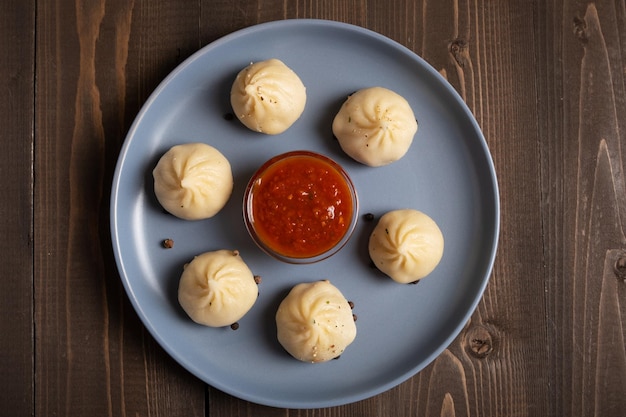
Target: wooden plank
(491, 63)
(582, 153)
(96, 64)
(17, 71)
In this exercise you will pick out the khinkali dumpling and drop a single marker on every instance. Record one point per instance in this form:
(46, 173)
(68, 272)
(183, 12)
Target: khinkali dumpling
(375, 126)
(193, 181)
(315, 322)
(406, 244)
(217, 288)
(268, 97)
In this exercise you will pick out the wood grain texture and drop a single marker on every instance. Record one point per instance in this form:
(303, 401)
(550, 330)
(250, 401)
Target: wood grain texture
(98, 61)
(17, 43)
(582, 152)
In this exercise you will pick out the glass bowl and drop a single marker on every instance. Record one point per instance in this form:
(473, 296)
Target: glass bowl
(300, 207)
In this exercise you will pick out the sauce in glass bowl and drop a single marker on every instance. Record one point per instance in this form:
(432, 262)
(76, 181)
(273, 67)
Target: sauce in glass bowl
(300, 207)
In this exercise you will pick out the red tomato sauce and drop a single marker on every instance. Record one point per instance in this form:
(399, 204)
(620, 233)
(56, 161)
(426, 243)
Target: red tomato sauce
(301, 206)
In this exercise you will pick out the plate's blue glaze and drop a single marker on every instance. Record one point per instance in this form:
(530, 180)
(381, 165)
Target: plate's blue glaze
(447, 173)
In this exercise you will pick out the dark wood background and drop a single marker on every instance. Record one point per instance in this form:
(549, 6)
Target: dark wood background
(545, 80)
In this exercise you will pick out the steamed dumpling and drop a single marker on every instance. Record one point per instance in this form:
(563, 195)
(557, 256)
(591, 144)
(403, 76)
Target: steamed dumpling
(315, 322)
(406, 244)
(375, 126)
(193, 181)
(268, 97)
(217, 288)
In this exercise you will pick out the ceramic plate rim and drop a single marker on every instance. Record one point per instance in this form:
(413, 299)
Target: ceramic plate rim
(118, 181)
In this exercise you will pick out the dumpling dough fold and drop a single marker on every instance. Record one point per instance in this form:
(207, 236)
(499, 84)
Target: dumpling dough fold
(268, 96)
(193, 181)
(217, 288)
(406, 245)
(375, 126)
(315, 322)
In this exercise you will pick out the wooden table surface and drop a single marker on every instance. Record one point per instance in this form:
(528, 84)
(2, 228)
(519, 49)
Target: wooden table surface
(546, 83)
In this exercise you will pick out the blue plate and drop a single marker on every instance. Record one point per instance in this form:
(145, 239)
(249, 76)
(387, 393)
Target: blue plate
(448, 173)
